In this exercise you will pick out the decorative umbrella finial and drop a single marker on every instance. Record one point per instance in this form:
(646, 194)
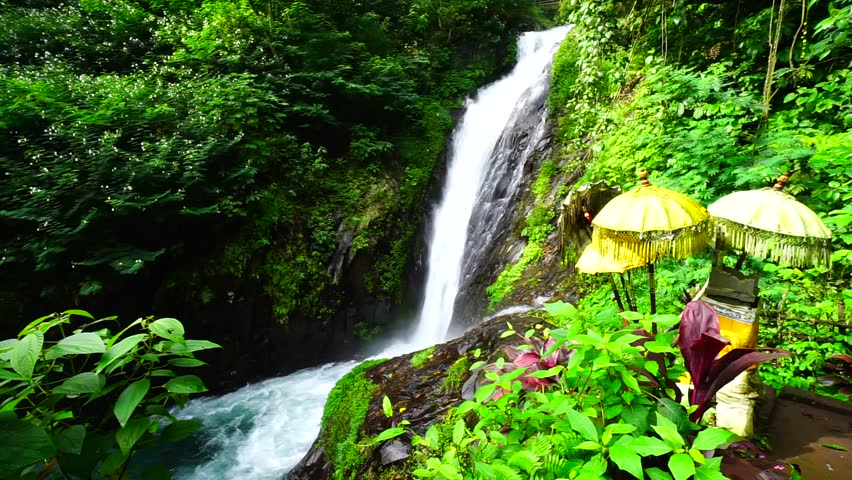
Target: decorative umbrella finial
(643, 177)
(782, 181)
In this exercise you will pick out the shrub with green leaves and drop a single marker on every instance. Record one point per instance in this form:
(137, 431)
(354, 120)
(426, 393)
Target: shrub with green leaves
(608, 411)
(77, 400)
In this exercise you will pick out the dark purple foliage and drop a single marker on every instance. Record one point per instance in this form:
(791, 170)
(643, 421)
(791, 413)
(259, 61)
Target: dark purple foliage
(700, 344)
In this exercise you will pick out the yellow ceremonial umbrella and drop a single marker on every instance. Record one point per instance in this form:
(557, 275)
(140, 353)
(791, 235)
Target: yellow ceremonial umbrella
(592, 262)
(651, 223)
(770, 223)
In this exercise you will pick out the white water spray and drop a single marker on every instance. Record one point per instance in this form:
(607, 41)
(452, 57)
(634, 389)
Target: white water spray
(474, 140)
(261, 431)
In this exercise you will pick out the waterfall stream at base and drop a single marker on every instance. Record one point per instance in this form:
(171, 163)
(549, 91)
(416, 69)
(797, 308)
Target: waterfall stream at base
(261, 431)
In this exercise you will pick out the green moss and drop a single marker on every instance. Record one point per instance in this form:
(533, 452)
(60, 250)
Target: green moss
(419, 359)
(456, 375)
(539, 224)
(498, 290)
(542, 184)
(342, 419)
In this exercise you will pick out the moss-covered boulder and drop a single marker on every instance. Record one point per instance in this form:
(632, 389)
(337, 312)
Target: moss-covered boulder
(422, 388)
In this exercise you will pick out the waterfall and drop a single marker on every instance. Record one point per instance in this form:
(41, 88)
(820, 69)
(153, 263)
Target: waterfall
(494, 111)
(261, 431)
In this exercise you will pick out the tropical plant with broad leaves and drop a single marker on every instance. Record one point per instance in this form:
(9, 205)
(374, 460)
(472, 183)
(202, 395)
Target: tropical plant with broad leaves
(538, 358)
(700, 343)
(79, 400)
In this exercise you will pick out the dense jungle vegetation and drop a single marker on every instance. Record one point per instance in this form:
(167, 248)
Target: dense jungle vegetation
(186, 156)
(714, 97)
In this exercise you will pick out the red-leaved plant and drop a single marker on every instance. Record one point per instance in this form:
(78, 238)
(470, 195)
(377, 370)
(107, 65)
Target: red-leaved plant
(700, 343)
(533, 359)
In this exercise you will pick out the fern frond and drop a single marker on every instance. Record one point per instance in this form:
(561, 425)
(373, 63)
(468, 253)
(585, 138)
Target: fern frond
(505, 472)
(525, 460)
(541, 445)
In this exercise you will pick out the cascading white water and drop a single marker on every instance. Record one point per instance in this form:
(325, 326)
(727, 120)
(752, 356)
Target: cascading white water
(261, 431)
(473, 145)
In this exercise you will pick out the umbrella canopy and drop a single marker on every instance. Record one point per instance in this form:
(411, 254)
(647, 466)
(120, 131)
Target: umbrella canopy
(770, 223)
(651, 222)
(592, 262)
(578, 208)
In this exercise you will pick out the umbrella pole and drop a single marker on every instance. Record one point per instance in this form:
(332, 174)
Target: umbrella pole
(615, 292)
(624, 289)
(632, 297)
(652, 286)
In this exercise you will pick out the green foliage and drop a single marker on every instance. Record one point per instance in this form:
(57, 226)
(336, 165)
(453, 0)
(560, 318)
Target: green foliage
(344, 413)
(456, 375)
(605, 413)
(420, 358)
(60, 378)
(134, 132)
(685, 101)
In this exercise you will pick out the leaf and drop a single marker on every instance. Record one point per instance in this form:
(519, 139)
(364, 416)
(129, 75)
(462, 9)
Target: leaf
(21, 444)
(113, 462)
(168, 328)
(588, 445)
(560, 309)
(710, 470)
(78, 344)
(185, 384)
(70, 440)
(128, 435)
(458, 431)
(196, 345)
(582, 425)
(627, 460)
(711, 438)
(81, 313)
(387, 408)
(834, 447)
(649, 446)
(186, 362)
(130, 399)
(632, 316)
(7, 375)
(388, 434)
(180, 429)
(636, 415)
(657, 474)
(25, 354)
(675, 413)
(450, 471)
(87, 382)
(682, 466)
(726, 369)
(119, 350)
(670, 435)
(595, 466)
(620, 428)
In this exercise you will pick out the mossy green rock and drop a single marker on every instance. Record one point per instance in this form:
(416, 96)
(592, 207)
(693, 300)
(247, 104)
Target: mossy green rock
(421, 394)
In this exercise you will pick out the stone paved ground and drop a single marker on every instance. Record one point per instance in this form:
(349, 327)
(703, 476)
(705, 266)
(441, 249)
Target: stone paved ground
(800, 426)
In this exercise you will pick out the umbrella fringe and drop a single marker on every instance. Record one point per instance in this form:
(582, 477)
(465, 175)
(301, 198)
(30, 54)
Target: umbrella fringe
(782, 249)
(654, 245)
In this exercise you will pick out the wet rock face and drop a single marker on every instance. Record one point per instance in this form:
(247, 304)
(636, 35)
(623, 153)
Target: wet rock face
(420, 394)
(495, 218)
